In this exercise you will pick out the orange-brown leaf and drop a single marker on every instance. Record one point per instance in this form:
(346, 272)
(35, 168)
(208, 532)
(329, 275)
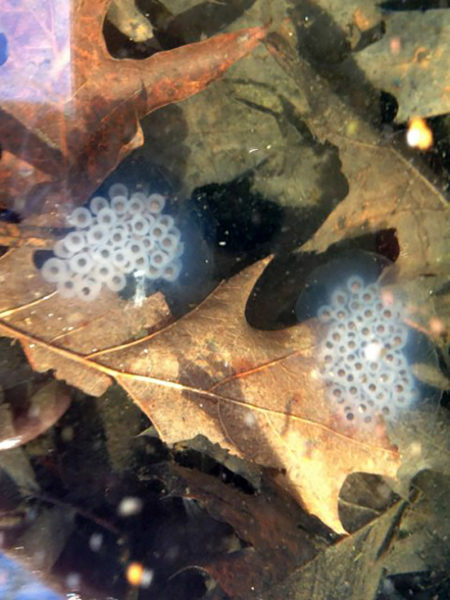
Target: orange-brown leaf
(78, 114)
(254, 392)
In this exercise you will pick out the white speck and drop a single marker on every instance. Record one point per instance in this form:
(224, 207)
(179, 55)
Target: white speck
(95, 542)
(222, 243)
(147, 578)
(73, 581)
(129, 506)
(249, 419)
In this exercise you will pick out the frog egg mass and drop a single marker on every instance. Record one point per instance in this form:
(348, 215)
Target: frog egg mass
(362, 358)
(112, 238)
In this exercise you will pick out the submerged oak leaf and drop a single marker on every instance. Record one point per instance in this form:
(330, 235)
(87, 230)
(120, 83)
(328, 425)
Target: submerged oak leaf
(72, 111)
(256, 393)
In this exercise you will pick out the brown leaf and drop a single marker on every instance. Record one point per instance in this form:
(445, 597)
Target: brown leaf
(412, 62)
(36, 415)
(79, 112)
(386, 191)
(280, 535)
(254, 392)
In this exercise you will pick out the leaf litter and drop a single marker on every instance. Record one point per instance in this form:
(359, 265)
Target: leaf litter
(232, 378)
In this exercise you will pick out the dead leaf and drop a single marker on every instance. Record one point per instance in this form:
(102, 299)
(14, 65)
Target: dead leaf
(254, 392)
(431, 375)
(386, 191)
(128, 19)
(79, 112)
(412, 62)
(280, 536)
(412, 536)
(20, 424)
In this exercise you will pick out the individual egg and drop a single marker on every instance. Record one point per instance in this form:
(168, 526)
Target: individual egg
(159, 258)
(156, 203)
(139, 225)
(119, 236)
(97, 203)
(116, 282)
(355, 284)
(86, 288)
(325, 314)
(104, 271)
(153, 272)
(369, 295)
(140, 262)
(135, 248)
(54, 270)
(66, 288)
(339, 298)
(169, 244)
(80, 217)
(81, 263)
(75, 241)
(148, 243)
(60, 249)
(136, 204)
(119, 204)
(171, 271)
(165, 221)
(122, 260)
(97, 235)
(118, 189)
(102, 253)
(157, 231)
(399, 337)
(107, 217)
(337, 393)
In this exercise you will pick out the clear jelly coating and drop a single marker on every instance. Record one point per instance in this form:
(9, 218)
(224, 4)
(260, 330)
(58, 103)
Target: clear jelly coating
(113, 237)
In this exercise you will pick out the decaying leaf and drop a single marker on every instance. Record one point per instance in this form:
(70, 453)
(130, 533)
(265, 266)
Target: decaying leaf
(20, 424)
(386, 191)
(431, 375)
(280, 535)
(79, 112)
(128, 19)
(412, 62)
(254, 392)
(412, 536)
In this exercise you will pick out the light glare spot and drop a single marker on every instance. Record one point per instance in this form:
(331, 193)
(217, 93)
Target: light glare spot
(419, 135)
(372, 351)
(139, 576)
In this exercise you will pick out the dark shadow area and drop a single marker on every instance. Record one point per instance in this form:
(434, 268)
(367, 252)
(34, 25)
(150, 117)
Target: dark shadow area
(274, 298)
(404, 5)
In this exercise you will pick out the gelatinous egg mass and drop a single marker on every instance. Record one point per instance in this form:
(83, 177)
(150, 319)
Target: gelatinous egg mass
(111, 238)
(362, 358)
